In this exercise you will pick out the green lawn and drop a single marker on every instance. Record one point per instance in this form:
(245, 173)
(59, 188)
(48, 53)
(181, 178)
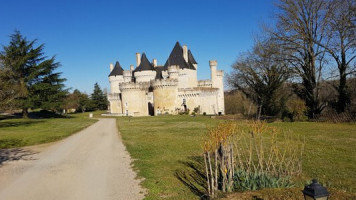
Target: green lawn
(166, 152)
(25, 132)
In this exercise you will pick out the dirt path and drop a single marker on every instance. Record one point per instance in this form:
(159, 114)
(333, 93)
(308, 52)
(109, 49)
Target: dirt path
(92, 164)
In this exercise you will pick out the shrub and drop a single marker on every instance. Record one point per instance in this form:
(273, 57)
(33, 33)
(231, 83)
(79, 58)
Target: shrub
(255, 181)
(196, 110)
(296, 110)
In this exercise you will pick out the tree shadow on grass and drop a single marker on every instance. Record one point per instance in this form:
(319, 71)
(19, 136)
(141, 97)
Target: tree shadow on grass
(192, 175)
(14, 154)
(44, 114)
(18, 123)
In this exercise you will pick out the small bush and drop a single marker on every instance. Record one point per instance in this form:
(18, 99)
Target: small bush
(296, 110)
(196, 110)
(256, 181)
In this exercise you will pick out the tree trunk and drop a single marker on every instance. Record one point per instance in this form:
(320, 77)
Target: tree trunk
(25, 113)
(343, 97)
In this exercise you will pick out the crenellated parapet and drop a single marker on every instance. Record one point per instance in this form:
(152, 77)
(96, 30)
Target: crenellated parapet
(127, 75)
(220, 73)
(173, 71)
(114, 96)
(131, 86)
(196, 92)
(164, 83)
(145, 76)
(205, 83)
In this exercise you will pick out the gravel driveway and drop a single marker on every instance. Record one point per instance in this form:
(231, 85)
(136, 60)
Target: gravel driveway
(91, 164)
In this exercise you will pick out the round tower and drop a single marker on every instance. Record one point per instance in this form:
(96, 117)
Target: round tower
(115, 78)
(165, 96)
(134, 98)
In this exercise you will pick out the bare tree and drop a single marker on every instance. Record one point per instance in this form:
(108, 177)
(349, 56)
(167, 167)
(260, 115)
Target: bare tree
(342, 46)
(259, 75)
(300, 29)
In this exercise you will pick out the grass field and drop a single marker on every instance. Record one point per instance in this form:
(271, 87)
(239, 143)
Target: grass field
(166, 152)
(25, 132)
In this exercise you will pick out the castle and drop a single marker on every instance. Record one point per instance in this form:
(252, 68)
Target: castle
(150, 89)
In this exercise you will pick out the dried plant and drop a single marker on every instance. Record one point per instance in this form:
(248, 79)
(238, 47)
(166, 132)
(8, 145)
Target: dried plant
(238, 158)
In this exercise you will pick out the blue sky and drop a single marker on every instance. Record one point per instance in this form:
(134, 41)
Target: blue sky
(86, 36)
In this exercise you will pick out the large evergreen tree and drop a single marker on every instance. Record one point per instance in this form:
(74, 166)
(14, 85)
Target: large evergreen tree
(99, 98)
(33, 75)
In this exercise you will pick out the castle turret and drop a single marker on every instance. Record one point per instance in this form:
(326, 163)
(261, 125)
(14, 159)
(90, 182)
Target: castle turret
(145, 72)
(217, 79)
(213, 64)
(115, 78)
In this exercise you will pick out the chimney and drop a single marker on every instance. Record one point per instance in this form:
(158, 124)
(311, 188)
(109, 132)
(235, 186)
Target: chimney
(111, 67)
(138, 59)
(185, 53)
(154, 62)
(132, 68)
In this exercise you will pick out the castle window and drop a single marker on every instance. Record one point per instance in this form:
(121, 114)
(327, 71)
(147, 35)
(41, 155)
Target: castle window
(125, 104)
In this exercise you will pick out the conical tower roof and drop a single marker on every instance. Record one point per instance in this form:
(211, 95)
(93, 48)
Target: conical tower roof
(144, 65)
(117, 70)
(176, 58)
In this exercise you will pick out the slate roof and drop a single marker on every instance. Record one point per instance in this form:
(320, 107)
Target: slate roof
(117, 70)
(191, 58)
(176, 58)
(159, 70)
(144, 65)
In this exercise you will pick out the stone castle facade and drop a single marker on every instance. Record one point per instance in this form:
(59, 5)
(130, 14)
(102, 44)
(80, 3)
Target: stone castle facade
(149, 89)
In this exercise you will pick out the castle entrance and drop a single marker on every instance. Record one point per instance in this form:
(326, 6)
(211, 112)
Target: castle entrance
(150, 109)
